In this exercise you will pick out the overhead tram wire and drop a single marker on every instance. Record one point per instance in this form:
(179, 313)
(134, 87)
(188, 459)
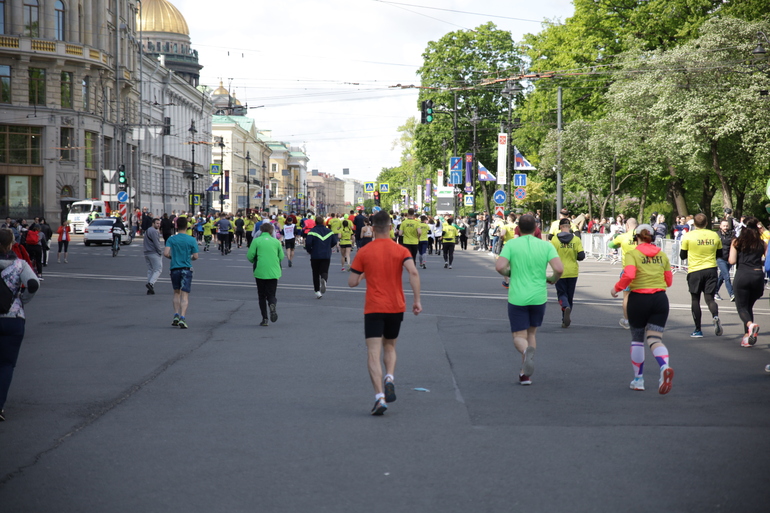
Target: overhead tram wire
(457, 11)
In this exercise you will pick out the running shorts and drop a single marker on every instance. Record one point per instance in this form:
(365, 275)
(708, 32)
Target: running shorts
(181, 279)
(523, 317)
(644, 309)
(704, 281)
(289, 243)
(385, 325)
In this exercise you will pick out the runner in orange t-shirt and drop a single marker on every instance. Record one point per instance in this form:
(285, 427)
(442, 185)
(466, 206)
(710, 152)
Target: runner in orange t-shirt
(381, 263)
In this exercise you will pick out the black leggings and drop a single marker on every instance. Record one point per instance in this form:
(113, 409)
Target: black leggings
(695, 305)
(266, 290)
(748, 287)
(449, 252)
(320, 269)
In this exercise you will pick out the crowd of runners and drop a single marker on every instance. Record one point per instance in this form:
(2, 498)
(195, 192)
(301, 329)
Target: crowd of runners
(523, 251)
(387, 244)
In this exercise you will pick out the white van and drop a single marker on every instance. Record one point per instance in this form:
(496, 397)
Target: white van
(80, 210)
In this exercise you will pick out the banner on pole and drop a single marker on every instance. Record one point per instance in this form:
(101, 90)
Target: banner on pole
(502, 159)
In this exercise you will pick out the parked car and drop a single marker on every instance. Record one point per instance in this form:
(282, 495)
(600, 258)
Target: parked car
(100, 232)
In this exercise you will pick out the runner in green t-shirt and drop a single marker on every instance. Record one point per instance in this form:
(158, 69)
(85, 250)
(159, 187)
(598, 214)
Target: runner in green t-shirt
(525, 259)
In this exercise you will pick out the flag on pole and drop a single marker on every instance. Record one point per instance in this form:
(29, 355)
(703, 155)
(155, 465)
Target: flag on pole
(484, 174)
(520, 163)
(214, 186)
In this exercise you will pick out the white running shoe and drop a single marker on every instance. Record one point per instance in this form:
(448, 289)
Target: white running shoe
(753, 332)
(624, 323)
(637, 384)
(323, 286)
(528, 367)
(318, 295)
(666, 377)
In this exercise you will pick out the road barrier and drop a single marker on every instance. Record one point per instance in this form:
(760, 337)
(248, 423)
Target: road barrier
(596, 245)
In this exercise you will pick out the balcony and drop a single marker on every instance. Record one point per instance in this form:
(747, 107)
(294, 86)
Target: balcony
(55, 49)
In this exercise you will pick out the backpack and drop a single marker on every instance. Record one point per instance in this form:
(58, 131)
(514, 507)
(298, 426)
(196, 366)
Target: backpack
(32, 238)
(7, 296)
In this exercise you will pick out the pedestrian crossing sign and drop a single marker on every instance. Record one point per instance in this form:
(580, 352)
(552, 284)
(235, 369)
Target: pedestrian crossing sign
(468, 200)
(215, 169)
(195, 199)
(369, 186)
(384, 188)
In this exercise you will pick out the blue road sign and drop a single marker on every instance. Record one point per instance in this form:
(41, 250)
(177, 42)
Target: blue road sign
(468, 201)
(499, 197)
(376, 209)
(519, 180)
(122, 196)
(520, 193)
(369, 186)
(384, 188)
(455, 177)
(455, 163)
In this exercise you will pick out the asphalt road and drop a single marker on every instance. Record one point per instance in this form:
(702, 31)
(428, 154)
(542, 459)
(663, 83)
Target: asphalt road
(114, 410)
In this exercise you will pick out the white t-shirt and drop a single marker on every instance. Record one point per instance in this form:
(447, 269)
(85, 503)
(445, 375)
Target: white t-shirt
(288, 231)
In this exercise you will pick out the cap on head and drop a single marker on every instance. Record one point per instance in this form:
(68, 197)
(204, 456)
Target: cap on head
(564, 222)
(643, 227)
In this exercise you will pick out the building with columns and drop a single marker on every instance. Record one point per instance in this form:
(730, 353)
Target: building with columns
(68, 98)
(78, 100)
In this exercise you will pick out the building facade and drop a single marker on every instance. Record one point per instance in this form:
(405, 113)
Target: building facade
(68, 100)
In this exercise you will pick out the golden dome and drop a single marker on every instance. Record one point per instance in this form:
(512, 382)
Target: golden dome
(236, 99)
(220, 91)
(161, 16)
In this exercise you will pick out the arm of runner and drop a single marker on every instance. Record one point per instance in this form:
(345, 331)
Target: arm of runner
(558, 270)
(354, 278)
(733, 258)
(167, 252)
(503, 266)
(629, 273)
(414, 282)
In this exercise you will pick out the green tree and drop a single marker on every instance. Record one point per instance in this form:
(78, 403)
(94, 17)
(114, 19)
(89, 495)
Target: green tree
(462, 73)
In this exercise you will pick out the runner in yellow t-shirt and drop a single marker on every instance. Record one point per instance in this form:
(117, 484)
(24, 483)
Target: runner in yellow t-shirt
(570, 250)
(448, 240)
(409, 229)
(700, 248)
(423, 244)
(626, 242)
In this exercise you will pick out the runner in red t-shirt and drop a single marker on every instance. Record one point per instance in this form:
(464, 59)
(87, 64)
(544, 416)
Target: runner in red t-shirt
(381, 263)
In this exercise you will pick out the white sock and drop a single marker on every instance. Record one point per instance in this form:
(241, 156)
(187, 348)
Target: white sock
(377, 397)
(389, 377)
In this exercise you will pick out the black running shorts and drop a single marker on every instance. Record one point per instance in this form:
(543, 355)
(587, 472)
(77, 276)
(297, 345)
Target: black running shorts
(385, 325)
(704, 281)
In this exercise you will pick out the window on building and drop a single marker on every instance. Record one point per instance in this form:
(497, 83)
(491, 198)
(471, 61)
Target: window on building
(90, 188)
(36, 86)
(176, 46)
(274, 168)
(2, 16)
(273, 190)
(66, 141)
(86, 94)
(59, 21)
(66, 90)
(31, 18)
(5, 80)
(107, 155)
(20, 144)
(90, 153)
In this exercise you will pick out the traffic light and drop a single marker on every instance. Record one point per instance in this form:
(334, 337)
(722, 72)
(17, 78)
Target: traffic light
(377, 198)
(122, 176)
(427, 112)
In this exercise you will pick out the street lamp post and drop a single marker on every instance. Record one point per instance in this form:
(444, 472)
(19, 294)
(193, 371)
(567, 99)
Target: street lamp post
(248, 179)
(222, 174)
(474, 121)
(510, 92)
(264, 188)
(192, 131)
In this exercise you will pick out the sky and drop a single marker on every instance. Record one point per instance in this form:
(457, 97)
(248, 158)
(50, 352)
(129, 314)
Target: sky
(324, 70)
